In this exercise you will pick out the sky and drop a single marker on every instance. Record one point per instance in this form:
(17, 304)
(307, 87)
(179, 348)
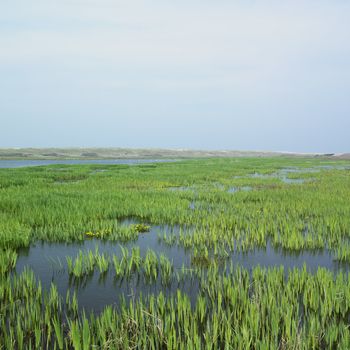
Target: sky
(201, 74)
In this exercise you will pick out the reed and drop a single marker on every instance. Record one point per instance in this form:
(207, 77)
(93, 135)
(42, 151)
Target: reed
(8, 260)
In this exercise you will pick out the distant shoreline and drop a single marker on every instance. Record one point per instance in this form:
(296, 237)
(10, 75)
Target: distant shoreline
(135, 153)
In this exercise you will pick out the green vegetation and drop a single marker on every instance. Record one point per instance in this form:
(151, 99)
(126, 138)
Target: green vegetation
(84, 264)
(225, 306)
(235, 310)
(120, 232)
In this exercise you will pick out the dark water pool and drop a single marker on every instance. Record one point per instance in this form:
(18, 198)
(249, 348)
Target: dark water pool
(48, 261)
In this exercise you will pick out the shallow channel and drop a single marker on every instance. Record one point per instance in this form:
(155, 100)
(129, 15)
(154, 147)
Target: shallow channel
(29, 162)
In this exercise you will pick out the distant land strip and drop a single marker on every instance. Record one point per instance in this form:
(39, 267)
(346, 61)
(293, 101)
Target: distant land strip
(146, 153)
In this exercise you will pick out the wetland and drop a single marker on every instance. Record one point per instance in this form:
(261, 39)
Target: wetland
(236, 253)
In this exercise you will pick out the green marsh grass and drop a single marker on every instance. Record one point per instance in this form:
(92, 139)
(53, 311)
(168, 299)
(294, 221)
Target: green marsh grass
(266, 308)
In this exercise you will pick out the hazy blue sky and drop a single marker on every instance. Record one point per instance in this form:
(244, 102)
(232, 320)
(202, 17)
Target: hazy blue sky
(254, 75)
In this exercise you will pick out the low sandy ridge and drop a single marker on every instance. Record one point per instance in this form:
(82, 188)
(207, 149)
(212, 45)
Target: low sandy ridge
(155, 153)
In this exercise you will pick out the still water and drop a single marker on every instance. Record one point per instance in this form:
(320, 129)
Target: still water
(27, 162)
(94, 292)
